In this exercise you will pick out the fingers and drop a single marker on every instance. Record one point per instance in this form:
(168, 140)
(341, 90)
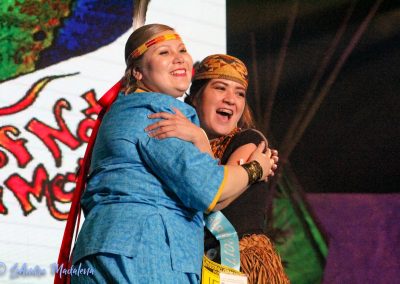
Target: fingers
(272, 160)
(271, 167)
(160, 136)
(164, 115)
(275, 158)
(273, 155)
(167, 119)
(178, 112)
(268, 153)
(158, 124)
(268, 160)
(167, 115)
(163, 132)
(151, 127)
(261, 147)
(172, 125)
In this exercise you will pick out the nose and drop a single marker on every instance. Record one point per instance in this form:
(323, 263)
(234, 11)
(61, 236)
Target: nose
(229, 97)
(178, 58)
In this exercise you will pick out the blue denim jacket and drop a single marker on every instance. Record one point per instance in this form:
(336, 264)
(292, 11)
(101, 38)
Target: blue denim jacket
(134, 178)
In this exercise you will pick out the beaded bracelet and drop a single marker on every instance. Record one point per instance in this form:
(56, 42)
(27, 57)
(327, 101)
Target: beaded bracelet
(254, 171)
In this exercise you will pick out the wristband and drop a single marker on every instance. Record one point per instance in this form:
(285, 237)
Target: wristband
(254, 171)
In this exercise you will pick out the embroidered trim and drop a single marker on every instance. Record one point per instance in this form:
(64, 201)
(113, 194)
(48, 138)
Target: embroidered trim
(218, 145)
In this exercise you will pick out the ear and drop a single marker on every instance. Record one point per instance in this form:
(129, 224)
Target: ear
(137, 74)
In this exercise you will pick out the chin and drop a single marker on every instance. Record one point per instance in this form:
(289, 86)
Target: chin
(177, 93)
(183, 87)
(222, 132)
(182, 91)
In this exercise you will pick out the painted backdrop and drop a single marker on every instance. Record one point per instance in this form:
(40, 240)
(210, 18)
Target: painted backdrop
(56, 59)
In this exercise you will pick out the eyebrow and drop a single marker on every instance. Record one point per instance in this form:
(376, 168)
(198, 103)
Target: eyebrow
(219, 82)
(166, 45)
(226, 84)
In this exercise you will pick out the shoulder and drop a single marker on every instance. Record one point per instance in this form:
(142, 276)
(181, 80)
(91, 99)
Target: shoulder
(247, 136)
(171, 103)
(157, 102)
(241, 139)
(165, 103)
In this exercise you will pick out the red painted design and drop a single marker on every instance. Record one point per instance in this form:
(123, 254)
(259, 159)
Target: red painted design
(87, 124)
(30, 96)
(55, 189)
(3, 209)
(3, 159)
(56, 192)
(23, 189)
(48, 135)
(52, 190)
(94, 107)
(16, 147)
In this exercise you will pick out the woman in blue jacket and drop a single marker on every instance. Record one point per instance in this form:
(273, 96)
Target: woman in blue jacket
(145, 197)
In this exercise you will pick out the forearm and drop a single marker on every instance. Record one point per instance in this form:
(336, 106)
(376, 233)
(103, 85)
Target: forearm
(223, 204)
(239, 177)
(202, 143)
(235, 183)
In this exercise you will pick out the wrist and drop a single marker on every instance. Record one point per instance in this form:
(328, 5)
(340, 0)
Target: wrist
(254, 171)
(204, 134)
(202, 137)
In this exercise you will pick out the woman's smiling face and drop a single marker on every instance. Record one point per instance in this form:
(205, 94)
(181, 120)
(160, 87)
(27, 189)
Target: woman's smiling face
(220, 106)
(166, 67)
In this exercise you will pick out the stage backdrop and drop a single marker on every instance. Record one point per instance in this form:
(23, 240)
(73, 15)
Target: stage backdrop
(56, 59)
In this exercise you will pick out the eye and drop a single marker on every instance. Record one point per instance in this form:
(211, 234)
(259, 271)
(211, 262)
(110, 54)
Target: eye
(220, 87)
(163, 52)
(241, 94)
(182, 48)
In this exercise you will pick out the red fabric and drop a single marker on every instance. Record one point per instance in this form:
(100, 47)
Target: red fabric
(64, 261)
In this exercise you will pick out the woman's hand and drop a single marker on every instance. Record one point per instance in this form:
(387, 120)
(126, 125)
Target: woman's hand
(266, 160)
(275, 157)
(177, 125)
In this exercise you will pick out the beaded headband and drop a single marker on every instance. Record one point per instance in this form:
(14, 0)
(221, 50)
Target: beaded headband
(222, 66)
(145, 46)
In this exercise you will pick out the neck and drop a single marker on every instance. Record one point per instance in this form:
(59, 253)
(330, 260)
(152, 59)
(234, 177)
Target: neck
(141, 88)
(212, 137)
(219, 144)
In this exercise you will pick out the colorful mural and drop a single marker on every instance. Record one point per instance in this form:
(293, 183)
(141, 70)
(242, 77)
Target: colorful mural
(36, 34)
(41, 186)
(56, 59)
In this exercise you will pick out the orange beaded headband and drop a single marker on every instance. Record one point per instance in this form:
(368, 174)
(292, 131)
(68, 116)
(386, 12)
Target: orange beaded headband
(144, 47)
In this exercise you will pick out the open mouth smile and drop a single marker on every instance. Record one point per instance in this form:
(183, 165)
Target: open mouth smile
(225, 112)
(179, 72)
